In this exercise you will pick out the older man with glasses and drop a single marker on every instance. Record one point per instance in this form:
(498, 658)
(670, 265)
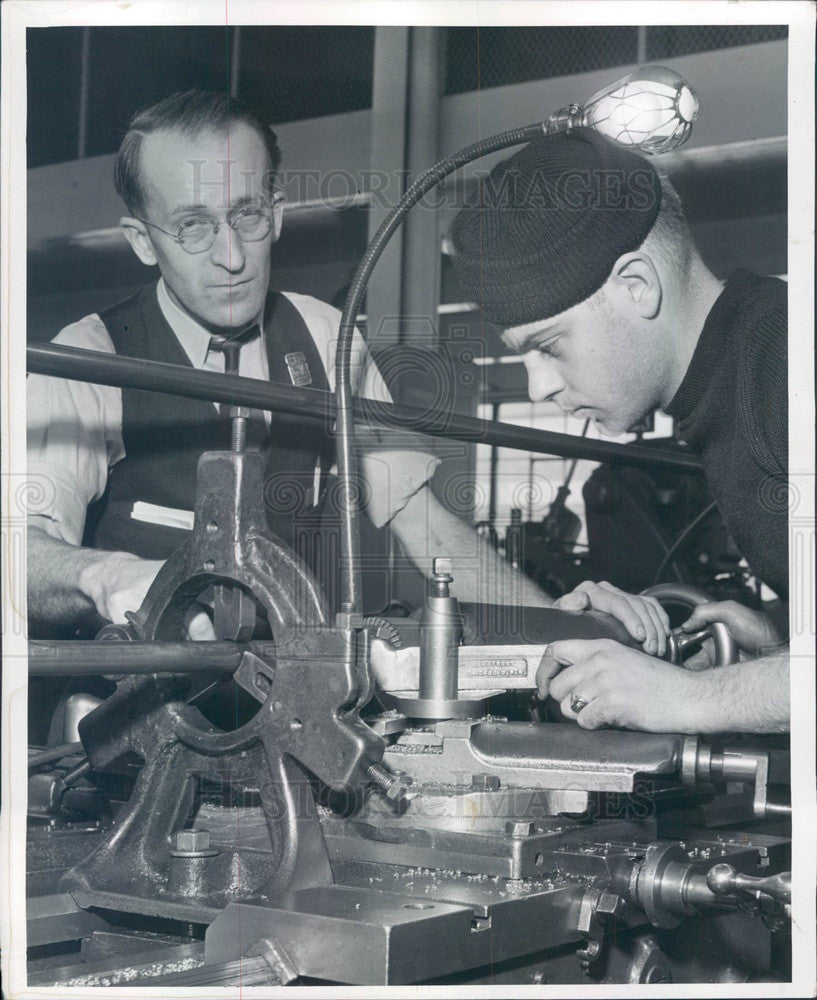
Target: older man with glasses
(197, 173)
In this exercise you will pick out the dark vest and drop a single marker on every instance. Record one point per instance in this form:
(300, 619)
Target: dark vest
(165, 435)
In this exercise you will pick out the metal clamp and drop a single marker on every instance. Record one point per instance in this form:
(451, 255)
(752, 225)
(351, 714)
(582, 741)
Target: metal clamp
(699, 765)
(598, 909)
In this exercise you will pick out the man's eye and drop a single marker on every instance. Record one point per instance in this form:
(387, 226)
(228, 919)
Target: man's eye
(550, 349)
(192, 225)
(248, 215)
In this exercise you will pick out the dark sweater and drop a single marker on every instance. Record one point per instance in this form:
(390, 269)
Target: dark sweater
(732, 409)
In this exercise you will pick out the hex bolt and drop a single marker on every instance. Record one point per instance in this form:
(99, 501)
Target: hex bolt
(442, 566)
(484, 782)
(190, 863)
(393, 786)
(191, 843)
(519, 828)
(442, 575)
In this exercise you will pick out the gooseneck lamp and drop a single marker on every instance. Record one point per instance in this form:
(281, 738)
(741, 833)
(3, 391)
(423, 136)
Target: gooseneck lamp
(651, 110)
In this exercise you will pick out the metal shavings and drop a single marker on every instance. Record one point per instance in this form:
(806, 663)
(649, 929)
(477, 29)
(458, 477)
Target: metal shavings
(116, 977)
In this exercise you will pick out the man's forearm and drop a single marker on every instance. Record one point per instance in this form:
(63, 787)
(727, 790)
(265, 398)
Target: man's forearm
(481, 575)
(750, 697)
(55, 569)
(68, 584)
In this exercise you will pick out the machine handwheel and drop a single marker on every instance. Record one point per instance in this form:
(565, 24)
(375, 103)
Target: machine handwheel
(686, 597)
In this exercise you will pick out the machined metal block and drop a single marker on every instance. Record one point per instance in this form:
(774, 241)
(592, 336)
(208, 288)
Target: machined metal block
(534, 755)
(362, 936)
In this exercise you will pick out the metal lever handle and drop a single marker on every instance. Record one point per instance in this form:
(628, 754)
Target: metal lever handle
(723, 880)
(685, 595)
(680, 640)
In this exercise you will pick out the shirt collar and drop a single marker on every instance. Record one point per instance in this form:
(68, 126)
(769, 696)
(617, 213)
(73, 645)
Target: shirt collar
(193, 337)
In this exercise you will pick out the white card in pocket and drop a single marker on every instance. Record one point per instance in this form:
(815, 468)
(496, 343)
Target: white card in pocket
(170, 517)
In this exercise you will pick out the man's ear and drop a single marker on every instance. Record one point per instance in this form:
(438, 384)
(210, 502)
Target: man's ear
(139, 238)
(277, 218)
(636, 280)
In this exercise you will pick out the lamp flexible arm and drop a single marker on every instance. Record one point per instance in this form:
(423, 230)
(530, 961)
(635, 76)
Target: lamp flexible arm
(347, 471)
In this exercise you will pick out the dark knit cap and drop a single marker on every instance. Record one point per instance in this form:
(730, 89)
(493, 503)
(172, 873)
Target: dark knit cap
(547, 225)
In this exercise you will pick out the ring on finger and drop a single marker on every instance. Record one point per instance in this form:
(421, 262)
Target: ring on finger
(577, 703)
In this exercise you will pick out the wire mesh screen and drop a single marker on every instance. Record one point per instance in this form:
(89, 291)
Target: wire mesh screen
(664, 42)
(289, 72)
(492, 57)
(292, 72)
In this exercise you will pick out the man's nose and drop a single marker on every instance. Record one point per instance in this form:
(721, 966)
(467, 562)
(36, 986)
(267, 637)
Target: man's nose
(544, 384)
(227, 250)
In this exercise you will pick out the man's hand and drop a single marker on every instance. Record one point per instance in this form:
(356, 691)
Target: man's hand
(643, 617)
(67, 583)
(751, 630)
(117, 582)
(599, 682)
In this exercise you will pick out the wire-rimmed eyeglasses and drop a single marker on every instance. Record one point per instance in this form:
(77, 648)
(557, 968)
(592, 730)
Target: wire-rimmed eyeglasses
(196, 234)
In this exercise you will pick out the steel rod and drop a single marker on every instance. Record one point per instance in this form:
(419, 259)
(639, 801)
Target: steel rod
(77, 657)
(155, 376)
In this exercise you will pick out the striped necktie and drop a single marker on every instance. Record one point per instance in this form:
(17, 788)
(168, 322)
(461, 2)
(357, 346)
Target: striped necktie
(230, 347)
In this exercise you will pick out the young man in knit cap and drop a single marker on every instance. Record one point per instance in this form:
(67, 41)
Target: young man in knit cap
(197, 174)
(578, 249)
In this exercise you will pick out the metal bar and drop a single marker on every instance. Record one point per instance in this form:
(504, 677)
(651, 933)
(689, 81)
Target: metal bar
(56, 917)
(641, 55)
(421, 270)
(235, 60)
(76, 657)
(155, 376)
(390, 74)
(84, 77)
(492, 474)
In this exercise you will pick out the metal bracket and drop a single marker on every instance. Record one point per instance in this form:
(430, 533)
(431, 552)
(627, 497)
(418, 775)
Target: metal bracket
(598, 909)
(310, 685)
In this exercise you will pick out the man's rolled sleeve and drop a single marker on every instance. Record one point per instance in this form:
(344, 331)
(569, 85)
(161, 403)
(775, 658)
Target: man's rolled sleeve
(74, 435)
(57, 509)
(391, 479)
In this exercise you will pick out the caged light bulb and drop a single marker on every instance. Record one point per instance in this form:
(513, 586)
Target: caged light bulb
(652, 109)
